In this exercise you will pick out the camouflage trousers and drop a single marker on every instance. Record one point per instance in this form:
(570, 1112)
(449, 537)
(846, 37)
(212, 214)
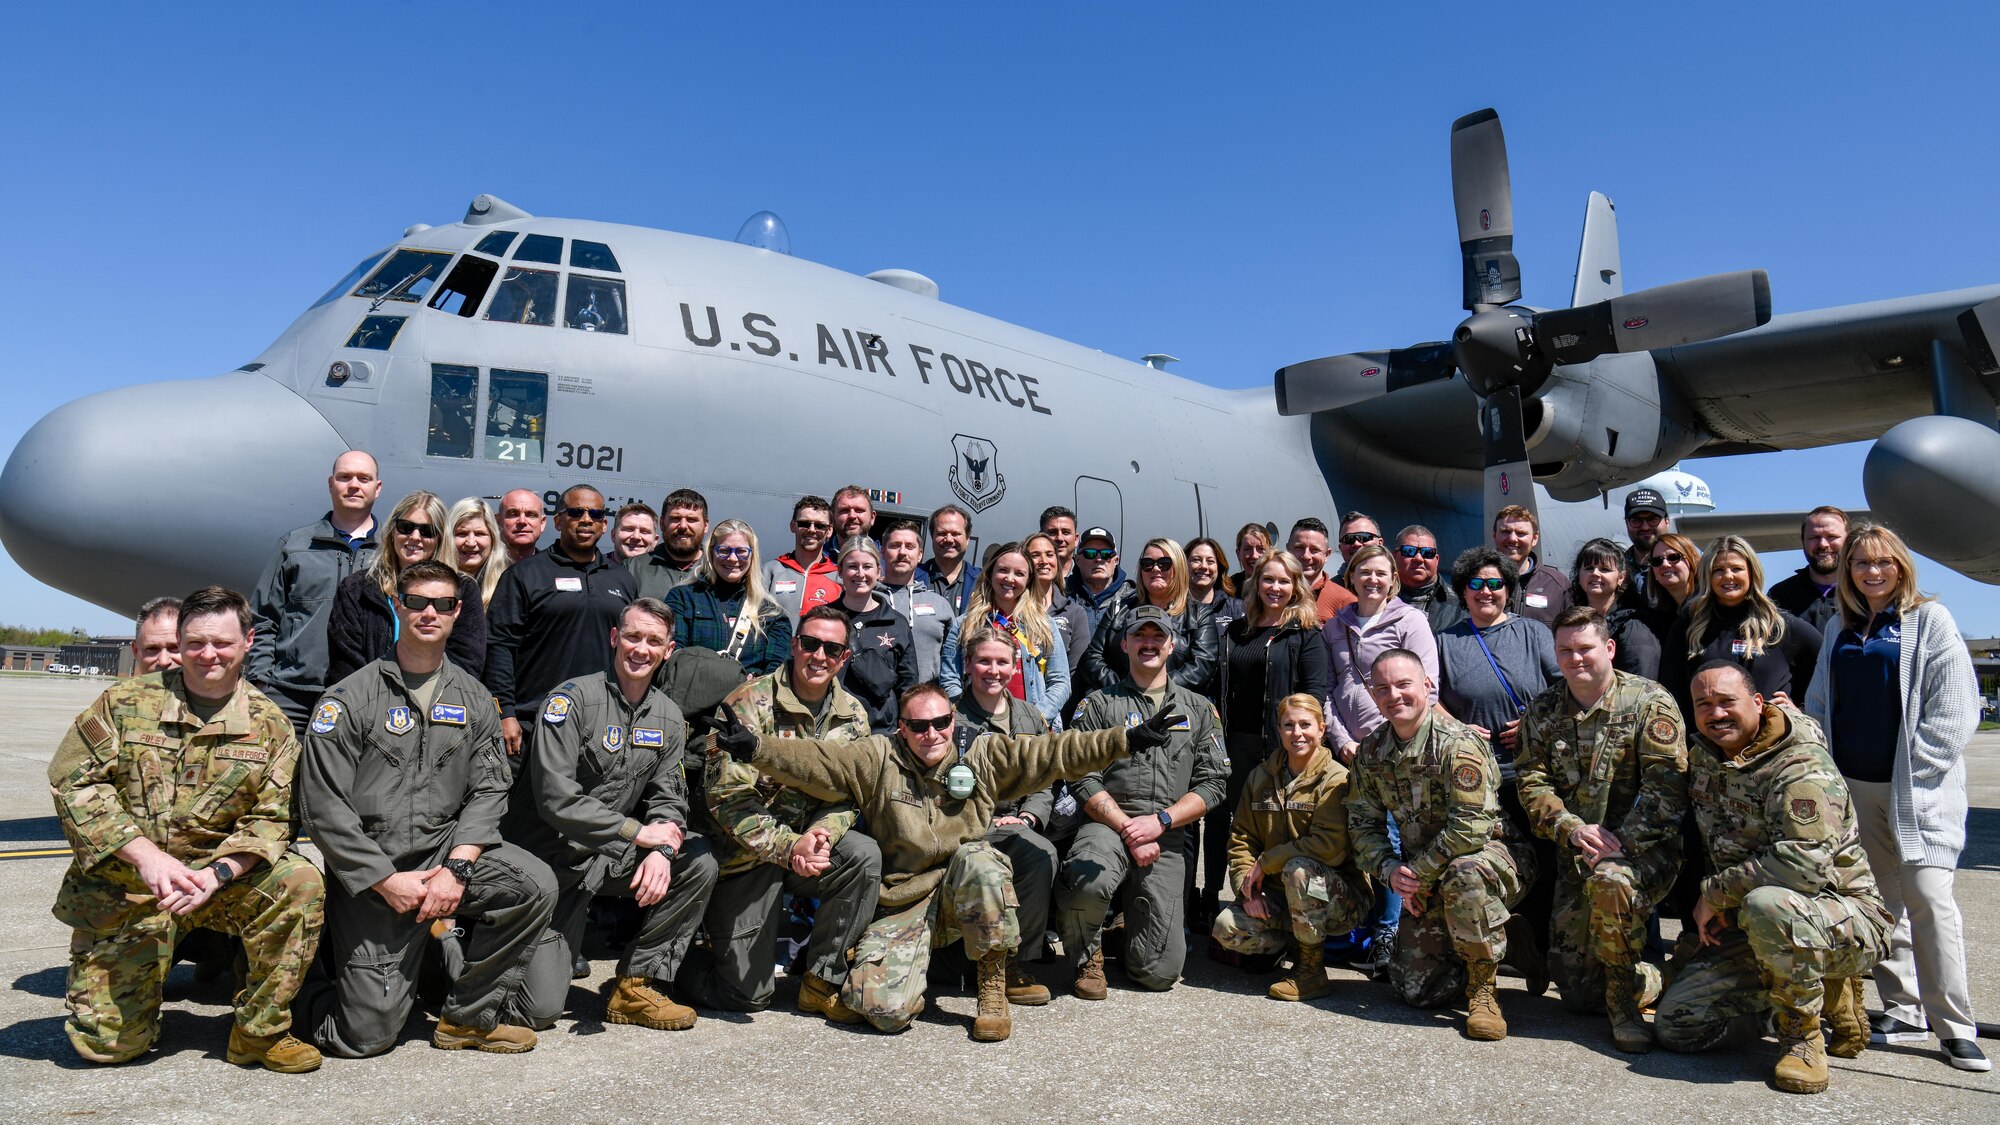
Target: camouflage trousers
(1600, 919)
(885, 982)
(1463, 917)
(1777, 953)
(1317, 902)
(123, 945)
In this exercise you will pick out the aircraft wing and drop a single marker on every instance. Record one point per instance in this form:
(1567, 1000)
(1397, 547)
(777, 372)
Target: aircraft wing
(1766, 531)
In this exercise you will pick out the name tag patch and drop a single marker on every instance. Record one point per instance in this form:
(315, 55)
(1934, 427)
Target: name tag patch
(400, 720)
(570, 585)
(1538, 601)
(649, 737)
(784, 587)
(447, 713)
(614, 738)
(325, 717)
(555, 710)
(924, 609)
(1739, 648)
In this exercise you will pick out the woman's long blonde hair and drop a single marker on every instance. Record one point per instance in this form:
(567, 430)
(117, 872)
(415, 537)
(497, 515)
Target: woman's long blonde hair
(1854, 607)
(387, 566)
(1763, 624)
(1031, 612)
(1177, 575)
(756, 602)
(488, 575)
(1301, 611)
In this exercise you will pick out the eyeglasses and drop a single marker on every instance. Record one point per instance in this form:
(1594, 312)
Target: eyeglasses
(1097, 552)
(1357, 538)
(1873, 564)
(812, 525)
(1156, 564)
(417, 603)
(1410, 552)
(811, 645)
(730, 552)
(1667, 560)
(1486, 583)
(920, 726)
(411, 527)
(586, 513)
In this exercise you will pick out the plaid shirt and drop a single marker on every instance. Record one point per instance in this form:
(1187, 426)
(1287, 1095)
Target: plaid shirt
(705, 620)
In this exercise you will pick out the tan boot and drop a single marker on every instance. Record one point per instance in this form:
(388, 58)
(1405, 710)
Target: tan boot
(1090, 979)
(635, 1000)
(994, 1022)
(503, 1039)
(820, 997)
(1802, 1069)
(1629, 1031)
(1308, 980)
(1846, 1020)
(1482, 1010)
(280, 1052)
(1023, 988)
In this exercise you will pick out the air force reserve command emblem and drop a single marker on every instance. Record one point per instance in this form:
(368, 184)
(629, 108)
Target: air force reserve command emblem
(325, 718)
(975, 472)
(614, 738)
(399, 721)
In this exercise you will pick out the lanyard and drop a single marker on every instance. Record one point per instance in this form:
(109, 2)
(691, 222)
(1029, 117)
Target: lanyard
(1480, 635)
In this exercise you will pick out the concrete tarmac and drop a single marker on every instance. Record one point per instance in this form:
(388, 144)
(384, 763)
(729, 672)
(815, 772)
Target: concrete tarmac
(1213, 1047)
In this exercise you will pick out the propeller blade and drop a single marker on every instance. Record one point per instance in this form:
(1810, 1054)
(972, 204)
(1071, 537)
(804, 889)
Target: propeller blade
(1508, 478)
(1343, 380)
(1661, 317)
(1484, 196)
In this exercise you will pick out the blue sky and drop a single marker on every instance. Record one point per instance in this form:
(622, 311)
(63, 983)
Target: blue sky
(1240, 186)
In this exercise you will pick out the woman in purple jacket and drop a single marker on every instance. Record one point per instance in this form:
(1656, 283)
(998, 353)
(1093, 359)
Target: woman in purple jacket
(1374, 624)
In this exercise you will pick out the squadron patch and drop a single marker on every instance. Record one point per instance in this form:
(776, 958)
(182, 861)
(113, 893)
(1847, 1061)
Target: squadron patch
(1661, 730)
(1805, 810)
(400, 720)
(326, 717)
(1132, 719)
(649, 737)
(614, 738)
(1465, 778)
(555, 710)
(448, 714)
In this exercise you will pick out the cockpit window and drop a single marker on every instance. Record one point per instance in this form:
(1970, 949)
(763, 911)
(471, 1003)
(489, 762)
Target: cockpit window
(454, 399)
(353, 275)
(540, 248)
(517, 414)
(525, 297)
(376, 333)
(408, 275)
(595, 304)
(466, 287)
(592, 256)
(496, 243)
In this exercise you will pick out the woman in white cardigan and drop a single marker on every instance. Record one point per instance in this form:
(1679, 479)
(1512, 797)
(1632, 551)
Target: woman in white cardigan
(1895, 694)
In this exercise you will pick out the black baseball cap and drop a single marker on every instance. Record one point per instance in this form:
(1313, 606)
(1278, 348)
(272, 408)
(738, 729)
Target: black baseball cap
(1097, 533)
(1645, 500)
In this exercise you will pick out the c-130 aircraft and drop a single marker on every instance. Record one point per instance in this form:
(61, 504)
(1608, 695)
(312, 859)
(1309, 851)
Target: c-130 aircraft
(507, 351)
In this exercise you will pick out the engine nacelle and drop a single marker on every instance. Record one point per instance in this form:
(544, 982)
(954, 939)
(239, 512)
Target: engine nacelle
(1937, 481)
(1602, 424)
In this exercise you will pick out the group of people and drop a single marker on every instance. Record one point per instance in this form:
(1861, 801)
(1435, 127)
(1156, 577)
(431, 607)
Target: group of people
(952, 765)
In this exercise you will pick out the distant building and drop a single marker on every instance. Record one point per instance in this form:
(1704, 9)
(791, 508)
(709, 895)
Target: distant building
(1986, 666)
(28, 658)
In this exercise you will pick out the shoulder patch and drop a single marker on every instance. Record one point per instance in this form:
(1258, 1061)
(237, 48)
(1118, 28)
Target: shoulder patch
(1465, 778)
(326, 717)
(556, 709)
(1663, 729)
(1805, 810)
(93, 729)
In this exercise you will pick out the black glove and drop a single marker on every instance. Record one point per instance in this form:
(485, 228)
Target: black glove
(732, 737)
(1152, 732)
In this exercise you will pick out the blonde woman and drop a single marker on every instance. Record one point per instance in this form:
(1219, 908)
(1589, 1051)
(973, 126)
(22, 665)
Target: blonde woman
(1893, 689)
(1730, 617)
(1162, 582)
(361, 627)
(475, 536)
(1005, 600)
(726, 609)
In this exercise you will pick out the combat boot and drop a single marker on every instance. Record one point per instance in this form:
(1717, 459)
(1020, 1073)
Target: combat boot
(1023, 988)
(1482, 1009)
(1629, 1031)
(822, 997)
(635, 1000)
(1846, 1020)
(1308, 980)
(501, 1039)
(1802, 1068)
(994, 1022)
(1090, 979)
(280, 1052)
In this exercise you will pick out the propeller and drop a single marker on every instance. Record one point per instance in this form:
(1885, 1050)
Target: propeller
(1507, 353)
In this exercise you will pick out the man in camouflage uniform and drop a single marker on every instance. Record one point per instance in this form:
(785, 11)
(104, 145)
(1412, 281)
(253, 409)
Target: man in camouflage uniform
(603, 801)
(930, 809)
(175, 791)
(1603, 776)
(1789, 918)
(772, 839)
(404, 782)
(1134, 844)
(1461, 868)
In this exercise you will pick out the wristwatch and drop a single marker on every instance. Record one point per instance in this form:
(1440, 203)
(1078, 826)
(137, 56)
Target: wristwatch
(1166, 820)
(461, 870)
(225, 871)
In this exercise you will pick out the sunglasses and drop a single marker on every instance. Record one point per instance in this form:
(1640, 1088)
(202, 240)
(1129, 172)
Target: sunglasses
(811, 645)
(920, 726)
(1356, 538)
(1097, 552)
(1410, 552)
(1156, 564)
(1659, 561)
(730, 552)
(411, 527)
(812, 525)
(417, 603)
(1486, 583)
(586, 513)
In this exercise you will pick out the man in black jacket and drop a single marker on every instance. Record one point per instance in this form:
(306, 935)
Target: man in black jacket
(1809, 592)
(1423, 582)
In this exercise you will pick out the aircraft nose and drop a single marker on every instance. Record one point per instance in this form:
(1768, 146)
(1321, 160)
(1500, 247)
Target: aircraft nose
(164, 487)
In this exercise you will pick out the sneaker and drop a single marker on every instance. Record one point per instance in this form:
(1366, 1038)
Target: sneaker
(1965, 1055)
(1885, 1028)
(1381, 950)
